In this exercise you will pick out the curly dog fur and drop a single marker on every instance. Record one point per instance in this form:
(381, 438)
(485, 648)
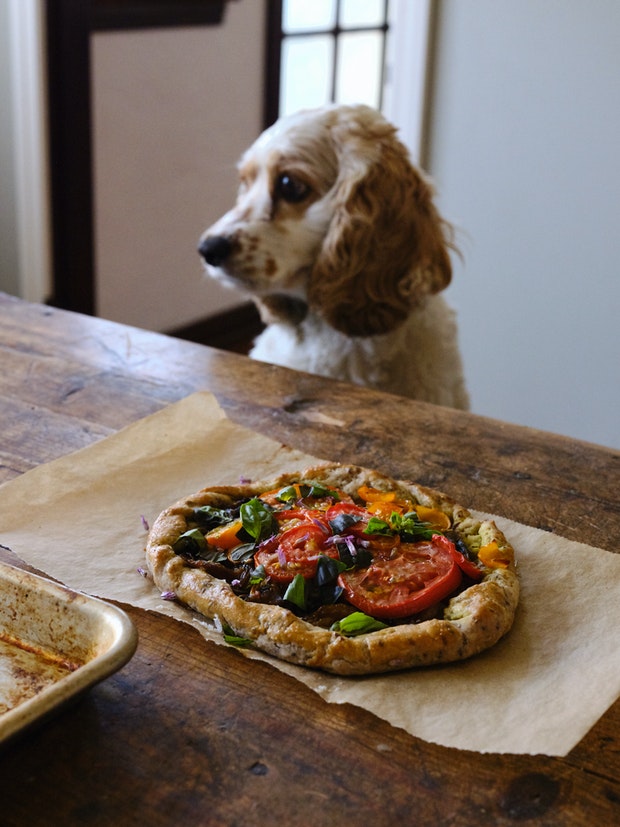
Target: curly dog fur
(336, 238)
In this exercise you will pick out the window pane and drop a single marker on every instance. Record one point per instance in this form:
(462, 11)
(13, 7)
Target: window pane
(306, 71)
(358, 77)
(361, 13)
(304, 16)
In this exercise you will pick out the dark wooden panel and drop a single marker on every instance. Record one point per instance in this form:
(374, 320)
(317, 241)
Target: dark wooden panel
(68, 67)
(69, 24)
(140, 14)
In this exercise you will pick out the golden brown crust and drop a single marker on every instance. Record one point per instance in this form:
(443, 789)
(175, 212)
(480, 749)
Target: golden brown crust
(473, 621)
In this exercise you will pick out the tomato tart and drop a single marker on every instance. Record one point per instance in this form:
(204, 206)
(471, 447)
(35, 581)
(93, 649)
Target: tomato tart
(339, 568)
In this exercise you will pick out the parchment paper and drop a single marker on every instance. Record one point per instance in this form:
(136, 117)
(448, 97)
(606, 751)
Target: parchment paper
(81, 519)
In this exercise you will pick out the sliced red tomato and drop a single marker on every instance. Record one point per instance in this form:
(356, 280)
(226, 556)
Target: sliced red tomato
(301, 515)
(294, 551)
(468, 567)
(415, 577)
(360, 515)
(321, 502)
(379, 544)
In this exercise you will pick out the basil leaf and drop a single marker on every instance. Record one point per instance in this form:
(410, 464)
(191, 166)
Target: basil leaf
(287, 494)
(357, 623)
(327, 570)
(342, 522)
(296, 591)
(209, 517)
(302, 490)
(378, 526)
(411, 528)
(212, 555)
(318, 490)
(352, 556)
(257, 575)
(242, 553)
(326, 579)
(330, 594)
(190, 543)
(258, 519)
(235, 640)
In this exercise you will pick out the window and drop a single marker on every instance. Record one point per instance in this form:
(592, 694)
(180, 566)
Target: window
(352, 51)
(329, 50)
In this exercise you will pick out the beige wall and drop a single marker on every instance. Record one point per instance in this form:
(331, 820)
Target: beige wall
(173, 109)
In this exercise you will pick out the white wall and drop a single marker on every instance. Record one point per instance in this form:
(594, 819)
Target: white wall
(524, 148)
(173, 110)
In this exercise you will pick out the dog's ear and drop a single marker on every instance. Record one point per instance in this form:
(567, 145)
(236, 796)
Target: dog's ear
(386, 246)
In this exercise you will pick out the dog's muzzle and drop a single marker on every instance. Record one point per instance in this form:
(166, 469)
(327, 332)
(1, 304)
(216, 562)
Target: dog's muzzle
(215, 249)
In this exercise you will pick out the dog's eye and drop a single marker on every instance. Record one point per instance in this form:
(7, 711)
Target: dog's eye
(291, 189)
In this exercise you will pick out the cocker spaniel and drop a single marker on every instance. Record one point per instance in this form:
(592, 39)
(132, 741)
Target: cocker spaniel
(336, 238)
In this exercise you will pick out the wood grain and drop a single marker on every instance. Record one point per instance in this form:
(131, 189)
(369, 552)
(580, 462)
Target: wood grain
(189, 725)
(189, 732)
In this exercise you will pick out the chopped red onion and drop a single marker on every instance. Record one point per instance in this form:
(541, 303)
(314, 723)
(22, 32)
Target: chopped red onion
(350, 544)
(321, 525)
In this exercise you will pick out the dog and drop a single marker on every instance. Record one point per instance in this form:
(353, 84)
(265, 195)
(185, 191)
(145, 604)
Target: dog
(335, 237)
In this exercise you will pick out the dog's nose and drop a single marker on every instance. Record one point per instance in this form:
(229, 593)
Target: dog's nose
(215, 249)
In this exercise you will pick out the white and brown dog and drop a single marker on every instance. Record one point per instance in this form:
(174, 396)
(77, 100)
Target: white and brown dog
(336, 238)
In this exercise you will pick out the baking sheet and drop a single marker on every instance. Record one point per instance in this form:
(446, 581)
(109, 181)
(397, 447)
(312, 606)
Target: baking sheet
(54, 644)
(539, 690)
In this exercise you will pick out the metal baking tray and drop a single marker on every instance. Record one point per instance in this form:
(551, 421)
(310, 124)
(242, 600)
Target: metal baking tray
(54, 644)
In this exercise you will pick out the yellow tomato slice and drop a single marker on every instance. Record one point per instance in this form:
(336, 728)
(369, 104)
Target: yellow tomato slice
(382, 510)
(225, 536)
(433, 516)
(373, 495)
(494, 557)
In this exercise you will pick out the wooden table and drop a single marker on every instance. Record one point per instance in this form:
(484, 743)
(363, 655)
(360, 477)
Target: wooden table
(191, 733)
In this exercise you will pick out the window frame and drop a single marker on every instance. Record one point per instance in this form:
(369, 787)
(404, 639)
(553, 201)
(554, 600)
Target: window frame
(68, 27)
(276, 37)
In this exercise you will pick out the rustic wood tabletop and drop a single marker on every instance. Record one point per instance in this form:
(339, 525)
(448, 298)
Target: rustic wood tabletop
(166, 741)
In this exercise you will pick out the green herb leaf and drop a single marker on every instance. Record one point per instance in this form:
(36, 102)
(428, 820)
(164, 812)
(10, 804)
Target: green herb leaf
(235, 640)
(342, 522)
(293, 492)
(242, 553)
(327, 570)
(212, 555)
(209, 517)
(296, 591)
(317, 490)
(288, 494)
(357, 623)
(378, 526)
(257, 575)
(356, 557)
(258, 519)
(411, 527)
(190, 543)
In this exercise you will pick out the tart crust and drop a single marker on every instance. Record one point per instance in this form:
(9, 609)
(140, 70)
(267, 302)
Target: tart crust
(473, 621)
